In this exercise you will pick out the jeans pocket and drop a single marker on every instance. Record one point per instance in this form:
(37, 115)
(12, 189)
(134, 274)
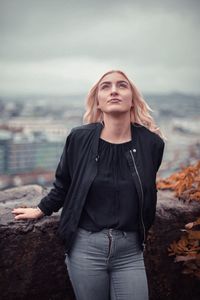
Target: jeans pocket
(131, 235)
(80, 242)
(133, 239)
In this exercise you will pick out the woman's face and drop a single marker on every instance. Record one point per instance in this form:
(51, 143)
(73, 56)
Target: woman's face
(114, 94)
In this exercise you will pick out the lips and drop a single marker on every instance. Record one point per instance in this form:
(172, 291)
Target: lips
(114, 100)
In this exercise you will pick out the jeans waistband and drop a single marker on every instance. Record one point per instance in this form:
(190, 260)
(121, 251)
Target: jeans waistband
(108, 231)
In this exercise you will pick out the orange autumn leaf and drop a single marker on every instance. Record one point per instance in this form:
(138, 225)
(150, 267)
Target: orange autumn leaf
(185, 183)
(187, 251)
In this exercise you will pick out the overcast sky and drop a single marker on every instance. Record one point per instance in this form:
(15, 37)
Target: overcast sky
(63, 47)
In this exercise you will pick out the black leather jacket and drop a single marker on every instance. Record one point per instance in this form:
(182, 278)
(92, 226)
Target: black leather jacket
(77, 169)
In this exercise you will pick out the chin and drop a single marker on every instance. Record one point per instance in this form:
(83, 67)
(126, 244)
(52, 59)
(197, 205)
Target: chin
(117, 111)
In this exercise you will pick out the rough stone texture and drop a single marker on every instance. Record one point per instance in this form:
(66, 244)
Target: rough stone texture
(32, 256)
(164, 275)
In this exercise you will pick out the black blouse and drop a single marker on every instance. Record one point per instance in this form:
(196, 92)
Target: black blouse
(112, 201)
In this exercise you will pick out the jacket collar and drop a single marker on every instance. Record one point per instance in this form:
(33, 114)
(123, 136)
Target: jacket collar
(99, 127)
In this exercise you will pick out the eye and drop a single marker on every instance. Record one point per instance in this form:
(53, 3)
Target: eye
(123, 85)
(104, 86)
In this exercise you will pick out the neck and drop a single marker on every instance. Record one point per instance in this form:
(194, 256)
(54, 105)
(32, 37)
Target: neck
(116, 129)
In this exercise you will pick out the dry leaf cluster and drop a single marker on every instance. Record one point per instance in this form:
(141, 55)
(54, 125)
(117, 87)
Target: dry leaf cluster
(185, 183)
(187, 250)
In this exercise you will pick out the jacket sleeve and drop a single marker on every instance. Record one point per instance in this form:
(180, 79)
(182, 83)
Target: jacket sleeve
(56, 197)
(159, 154)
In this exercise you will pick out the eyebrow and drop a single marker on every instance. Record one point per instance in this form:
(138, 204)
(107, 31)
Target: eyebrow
(120, 81)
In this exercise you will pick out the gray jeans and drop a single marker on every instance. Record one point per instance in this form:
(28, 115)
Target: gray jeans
(105, 265)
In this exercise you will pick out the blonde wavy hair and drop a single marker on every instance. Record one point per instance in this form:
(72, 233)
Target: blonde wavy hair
(139, 113)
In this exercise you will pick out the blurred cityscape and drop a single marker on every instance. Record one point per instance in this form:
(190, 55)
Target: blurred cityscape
(33, 131)
(32, 135)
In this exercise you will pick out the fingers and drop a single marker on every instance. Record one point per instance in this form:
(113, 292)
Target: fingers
(20, 213)
(26, 213)
(18, 210)
(22, 217)
(189, 225)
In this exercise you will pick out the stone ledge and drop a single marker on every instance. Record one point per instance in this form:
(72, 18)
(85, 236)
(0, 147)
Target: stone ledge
(33, 256)
(32, 264)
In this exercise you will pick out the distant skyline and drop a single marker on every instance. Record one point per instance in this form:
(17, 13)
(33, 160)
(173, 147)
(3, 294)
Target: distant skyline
(63, 47)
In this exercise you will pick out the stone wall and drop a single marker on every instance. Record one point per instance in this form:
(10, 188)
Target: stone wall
(32, 256)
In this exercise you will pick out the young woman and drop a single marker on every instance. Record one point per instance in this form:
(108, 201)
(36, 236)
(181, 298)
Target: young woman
(106, 183)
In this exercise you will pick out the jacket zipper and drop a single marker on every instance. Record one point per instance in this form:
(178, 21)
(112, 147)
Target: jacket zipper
(143, 243)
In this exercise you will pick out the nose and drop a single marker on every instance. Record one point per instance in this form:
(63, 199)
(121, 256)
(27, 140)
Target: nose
(113, 89)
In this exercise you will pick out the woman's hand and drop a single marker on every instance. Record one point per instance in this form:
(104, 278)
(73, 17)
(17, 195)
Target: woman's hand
(27, 213)
(189, 225)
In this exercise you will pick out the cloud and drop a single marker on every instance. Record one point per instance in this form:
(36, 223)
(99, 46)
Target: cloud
(154, 41)
(58, 76)
(77, 75)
